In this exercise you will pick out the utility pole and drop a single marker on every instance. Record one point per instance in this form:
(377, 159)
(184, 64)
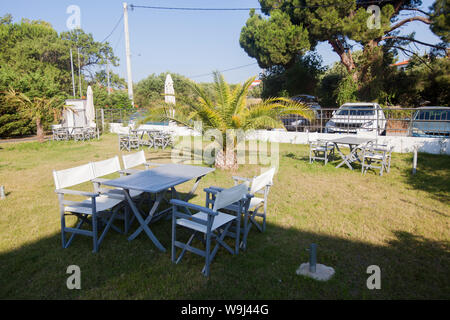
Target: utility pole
(128, 54)
(109, 82)
(73, 77)
(79, 72)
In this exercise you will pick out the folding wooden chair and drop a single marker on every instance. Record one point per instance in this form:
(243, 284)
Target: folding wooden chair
(258, 185)
(133, 160)
(376, 157)
(99, 208)
(107, 167)
(78, 134)
(129, 141)
(212, 224)
(320, 150)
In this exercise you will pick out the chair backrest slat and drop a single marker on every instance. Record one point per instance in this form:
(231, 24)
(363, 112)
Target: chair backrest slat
(230, 196)
(73, 176)
(262, 180)
(133, 160)
(105, 167)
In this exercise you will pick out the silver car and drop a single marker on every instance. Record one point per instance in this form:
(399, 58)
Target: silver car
(431, 122)
(357, 117)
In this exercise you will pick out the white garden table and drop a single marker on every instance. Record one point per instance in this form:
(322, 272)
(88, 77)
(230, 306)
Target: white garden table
(157, 181)
(354, 143)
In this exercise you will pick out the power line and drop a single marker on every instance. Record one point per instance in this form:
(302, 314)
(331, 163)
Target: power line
(114, 29)
(337, 4)
(222, 71)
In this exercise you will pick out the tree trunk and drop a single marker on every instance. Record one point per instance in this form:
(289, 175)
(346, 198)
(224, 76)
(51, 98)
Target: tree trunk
(346, 57)
(39, 130)
(226, 161)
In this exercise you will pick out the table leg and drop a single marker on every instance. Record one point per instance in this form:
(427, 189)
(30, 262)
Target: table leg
(344, 158)
(144, 223)
(176, 195)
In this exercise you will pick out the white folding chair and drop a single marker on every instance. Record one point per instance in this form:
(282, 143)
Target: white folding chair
(212, 224)
(133, 160)
(100, 208)
(107, 167)
(129, 141)
(376, 157)
(258, 185)
(320, 150)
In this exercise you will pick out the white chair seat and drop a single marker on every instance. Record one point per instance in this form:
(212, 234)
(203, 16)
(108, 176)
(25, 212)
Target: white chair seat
(374, 156)
(219, 220)
(254, 202)
(323, 148)
(103, 203)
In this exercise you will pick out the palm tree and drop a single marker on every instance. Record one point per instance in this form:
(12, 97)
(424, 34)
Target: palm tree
(35, 108)
(228, 109)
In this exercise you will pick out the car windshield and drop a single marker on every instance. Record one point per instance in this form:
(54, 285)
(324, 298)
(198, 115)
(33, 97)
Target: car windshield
(356, 111)
(305, 99)
(438, 115)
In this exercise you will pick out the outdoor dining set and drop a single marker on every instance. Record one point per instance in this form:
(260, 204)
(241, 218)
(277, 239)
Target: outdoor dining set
(365, 151)
(61, 133)
(227, 213)
(145, 138)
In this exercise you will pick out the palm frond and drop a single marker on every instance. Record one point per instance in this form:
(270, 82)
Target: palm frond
(238, 103)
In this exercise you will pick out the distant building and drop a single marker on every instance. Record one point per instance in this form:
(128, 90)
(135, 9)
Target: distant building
(74, 115)
(401, 65)
(255, 83)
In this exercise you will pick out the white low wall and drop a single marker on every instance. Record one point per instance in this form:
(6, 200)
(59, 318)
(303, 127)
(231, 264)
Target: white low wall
(401, 144)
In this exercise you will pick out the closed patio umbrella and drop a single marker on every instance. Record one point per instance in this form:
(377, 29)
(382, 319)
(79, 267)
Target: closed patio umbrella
(169, 93)
(90, 109)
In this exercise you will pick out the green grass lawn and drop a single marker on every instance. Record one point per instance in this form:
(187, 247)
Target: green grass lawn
(399, 222)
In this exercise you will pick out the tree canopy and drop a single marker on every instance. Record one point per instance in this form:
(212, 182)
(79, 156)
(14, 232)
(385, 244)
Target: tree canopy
(366, 41)
(35, 61)
(299, 25)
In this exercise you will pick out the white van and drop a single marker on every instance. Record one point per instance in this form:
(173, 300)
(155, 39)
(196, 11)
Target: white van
(357, 117)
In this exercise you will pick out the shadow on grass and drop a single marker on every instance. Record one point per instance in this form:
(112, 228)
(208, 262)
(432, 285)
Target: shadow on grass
(432, 175)
(412, 267)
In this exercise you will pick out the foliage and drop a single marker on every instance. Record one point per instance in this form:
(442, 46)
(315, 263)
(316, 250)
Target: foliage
(227, 109)
(301, 78)
(441, 19)
(37, 108)
(273, 41)
(425, 81)
(329, 82)
(35, 61)
(117, 99)
(346, 90)
(150, 91)
(343, 25)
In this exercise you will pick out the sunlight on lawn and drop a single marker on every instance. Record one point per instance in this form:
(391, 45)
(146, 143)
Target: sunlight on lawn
(398, 221)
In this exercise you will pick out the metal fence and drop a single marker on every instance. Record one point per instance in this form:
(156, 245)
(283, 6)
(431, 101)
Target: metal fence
(112, 115)
(419, 122)
(427, 122)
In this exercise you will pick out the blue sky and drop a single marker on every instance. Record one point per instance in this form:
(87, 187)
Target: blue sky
(189, 43)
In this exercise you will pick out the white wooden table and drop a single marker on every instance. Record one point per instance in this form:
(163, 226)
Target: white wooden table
(354, 143)
(157, 181)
